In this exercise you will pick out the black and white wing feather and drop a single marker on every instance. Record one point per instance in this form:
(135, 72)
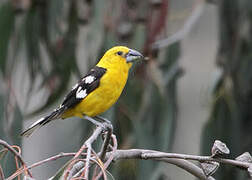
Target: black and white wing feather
(85, 86)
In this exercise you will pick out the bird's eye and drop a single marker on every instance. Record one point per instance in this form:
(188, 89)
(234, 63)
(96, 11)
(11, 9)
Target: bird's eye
(119, 53)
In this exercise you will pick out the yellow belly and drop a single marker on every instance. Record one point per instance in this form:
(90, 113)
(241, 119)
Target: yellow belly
(102, 98)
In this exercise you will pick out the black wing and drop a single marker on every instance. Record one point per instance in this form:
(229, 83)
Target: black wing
(86, 85)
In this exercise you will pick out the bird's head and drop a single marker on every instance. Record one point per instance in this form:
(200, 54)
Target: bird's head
(120, 55)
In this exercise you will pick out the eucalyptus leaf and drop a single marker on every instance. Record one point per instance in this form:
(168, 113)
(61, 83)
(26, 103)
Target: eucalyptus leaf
(32, 24)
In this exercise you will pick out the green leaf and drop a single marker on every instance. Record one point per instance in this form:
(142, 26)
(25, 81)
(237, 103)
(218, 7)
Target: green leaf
(55, 17)
(32, 26)
(7, 19)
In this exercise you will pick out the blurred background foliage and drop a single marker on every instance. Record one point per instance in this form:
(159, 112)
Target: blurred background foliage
(231, 116)
(46, 45)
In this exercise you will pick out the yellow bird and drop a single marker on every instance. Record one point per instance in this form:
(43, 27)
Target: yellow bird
(97, 91)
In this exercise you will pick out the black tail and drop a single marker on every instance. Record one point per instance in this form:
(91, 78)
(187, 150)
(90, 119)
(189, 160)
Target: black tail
(41, 122)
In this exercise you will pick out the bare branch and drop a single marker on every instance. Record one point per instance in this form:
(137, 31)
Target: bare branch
(186, 165)
(1, 173)
(111, 157)
(16, 159)
(16, 154)
(88, 144)
(180, 160)
(150, 154)
(155, 155)
(11, 149)
(106, 141)
(79, 167)
(53, 158)
(176, 159)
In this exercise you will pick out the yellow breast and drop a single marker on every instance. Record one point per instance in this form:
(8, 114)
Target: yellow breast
(102, 98)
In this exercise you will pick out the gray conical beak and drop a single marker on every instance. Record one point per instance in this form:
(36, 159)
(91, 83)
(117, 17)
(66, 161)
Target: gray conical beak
(133, 55)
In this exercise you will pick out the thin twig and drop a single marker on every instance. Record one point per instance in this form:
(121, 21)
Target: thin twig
(11, 149)
(87, 145)
(77, 169)
(109, 160)
(106, 142)
(100, 164)
(90, 140)
(1, 173)
(180, 160)
(53, 158)
(17, 166)
(16, 159)
(6, 145)
(89, 148)
(111, 157)
(74, 172)
(81, 168)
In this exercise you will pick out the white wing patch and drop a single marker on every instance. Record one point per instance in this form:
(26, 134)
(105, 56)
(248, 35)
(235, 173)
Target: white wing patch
(80, 93)
(89, 79)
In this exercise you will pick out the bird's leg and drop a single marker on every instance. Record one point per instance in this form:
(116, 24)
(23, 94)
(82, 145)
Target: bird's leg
(106, 135)
(95, 122)
(102, 119)
(107, 124)
(107, 127)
